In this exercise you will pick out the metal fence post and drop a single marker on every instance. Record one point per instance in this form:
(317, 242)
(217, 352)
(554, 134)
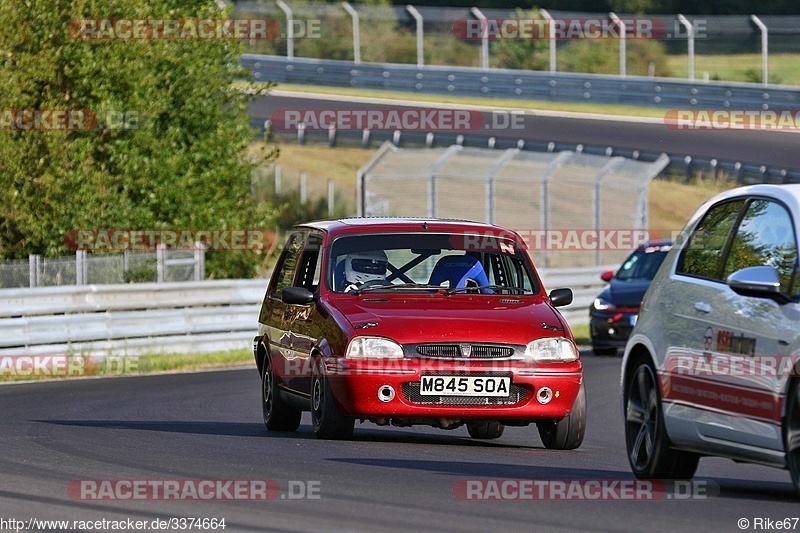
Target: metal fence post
(80, 267)
(764, 49)
(303, 187)
(331, 198)
(551, 35)
(617, 21)
(491, 175)
(690, 39)
(484, 36)
(289, 28)
(34, 266)
(199, 261)
(161, 262)
(420, 43)
(356, 34)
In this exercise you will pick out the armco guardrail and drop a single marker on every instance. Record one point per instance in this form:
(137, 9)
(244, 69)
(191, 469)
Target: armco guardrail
(525, 84)
(103, 320)
(585, 283)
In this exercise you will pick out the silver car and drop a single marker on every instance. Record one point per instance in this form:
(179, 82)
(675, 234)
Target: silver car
(711, 367)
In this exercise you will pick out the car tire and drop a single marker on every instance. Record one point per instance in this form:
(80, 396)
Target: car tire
(277, 415)
(491, 429)
(647, 443)
(791, 434)
(567, 433)
(326, 419)
(604, 351)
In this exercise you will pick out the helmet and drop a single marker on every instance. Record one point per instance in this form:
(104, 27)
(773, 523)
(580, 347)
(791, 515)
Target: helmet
(361, 267)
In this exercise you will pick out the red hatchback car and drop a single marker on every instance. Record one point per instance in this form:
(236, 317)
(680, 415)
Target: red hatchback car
(412, 321)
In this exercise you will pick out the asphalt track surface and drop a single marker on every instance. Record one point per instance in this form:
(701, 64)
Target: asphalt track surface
(772, 148)
(208, 426)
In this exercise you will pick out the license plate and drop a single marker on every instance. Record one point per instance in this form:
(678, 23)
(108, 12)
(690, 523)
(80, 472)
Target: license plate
(633, 319)
(465, 386)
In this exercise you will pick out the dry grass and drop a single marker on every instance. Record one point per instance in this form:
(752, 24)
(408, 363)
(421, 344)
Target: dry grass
(673, 202)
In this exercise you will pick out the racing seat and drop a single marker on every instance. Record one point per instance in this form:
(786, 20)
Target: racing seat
(461, 271)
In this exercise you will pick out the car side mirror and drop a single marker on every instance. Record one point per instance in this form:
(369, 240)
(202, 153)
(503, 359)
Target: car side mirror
(296, 296)
(560, 297)
(758, 282)
(607, 275)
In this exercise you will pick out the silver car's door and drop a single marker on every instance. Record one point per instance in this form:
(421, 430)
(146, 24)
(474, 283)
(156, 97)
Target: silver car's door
(751, 336)
(687, 303)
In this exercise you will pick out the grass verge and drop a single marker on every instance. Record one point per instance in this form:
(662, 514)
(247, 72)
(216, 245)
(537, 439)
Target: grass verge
(82, 366)
(581, 333)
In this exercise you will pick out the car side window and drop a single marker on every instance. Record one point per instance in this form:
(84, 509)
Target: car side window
(289, 260)
(703, 255)
(765, 236)
(310, 264)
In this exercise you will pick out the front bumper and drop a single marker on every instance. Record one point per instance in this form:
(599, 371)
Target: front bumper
(356, 384)
(611, 329)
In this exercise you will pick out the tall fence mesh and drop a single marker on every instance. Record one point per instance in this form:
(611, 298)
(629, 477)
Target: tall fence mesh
(129, 267)
(564, 204)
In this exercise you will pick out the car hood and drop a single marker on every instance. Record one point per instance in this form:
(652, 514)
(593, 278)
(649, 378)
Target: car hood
(451, 318)
(625, 293)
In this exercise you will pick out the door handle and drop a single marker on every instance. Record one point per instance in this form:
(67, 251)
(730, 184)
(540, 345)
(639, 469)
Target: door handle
(702, 307)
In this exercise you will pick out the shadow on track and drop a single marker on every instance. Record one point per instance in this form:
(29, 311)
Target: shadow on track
(231, 429)
(243, 429)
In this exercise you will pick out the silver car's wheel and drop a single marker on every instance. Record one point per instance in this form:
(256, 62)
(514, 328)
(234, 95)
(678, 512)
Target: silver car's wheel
(649, 451)
(792, 434)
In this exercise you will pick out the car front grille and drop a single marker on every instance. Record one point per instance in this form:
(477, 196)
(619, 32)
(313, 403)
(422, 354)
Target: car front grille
(465, 350)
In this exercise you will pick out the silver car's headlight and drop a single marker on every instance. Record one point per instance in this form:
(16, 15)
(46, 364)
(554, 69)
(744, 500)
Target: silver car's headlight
(373, 348)
(602, 305)
(552, 349)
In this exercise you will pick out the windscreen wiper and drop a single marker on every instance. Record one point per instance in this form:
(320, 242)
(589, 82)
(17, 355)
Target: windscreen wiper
(481, 288)
(403, 286)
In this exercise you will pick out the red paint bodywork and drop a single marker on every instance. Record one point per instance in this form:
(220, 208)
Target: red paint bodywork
(324, 328)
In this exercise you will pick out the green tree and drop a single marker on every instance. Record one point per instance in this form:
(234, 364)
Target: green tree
(601, 56)
(182, 168)
(525, 53)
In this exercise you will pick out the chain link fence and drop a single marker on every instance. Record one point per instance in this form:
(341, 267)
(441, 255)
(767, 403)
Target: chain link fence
(728, 47)
(161, 265)
(573, 209)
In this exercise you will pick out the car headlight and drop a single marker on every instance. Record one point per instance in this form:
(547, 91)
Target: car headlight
(602, 305)
(552, 349)
(373, 348)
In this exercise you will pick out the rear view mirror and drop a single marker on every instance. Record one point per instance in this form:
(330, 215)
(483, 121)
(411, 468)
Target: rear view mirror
(607, 275)
(758, 282)
(560, 297)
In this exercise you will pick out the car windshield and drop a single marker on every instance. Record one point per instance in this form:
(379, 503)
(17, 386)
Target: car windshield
(642, 265)
(452, 263)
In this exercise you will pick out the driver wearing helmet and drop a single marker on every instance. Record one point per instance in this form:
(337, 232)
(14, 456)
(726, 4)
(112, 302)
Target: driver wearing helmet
(364, 267)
